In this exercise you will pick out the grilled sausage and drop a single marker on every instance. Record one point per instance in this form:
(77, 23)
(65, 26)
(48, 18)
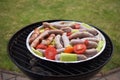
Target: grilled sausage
(90, 52)
(59, 26)
(81, 57)
(92, 31)
(49, 39)
(66, 29)
(57, 42)
(37, 40)
(65, 40)
(76, 41)
(60, 50)
(91, 39)
(57, 57)
(46, 25)
(80, 35)
(34, 35)
(55, 32)
(91, 44)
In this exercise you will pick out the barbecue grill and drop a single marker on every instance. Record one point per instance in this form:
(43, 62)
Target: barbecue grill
(37, 69)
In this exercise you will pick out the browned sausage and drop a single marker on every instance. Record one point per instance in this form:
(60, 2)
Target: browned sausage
(81, 57)
(76, 41)
(37, 40)
(56, 32)
(90, 52)
(92, 31)
(49, 39)
(66, 29)
(58, 42)
(46, 25)
(80, 35)
(91, 44)
(57, 57)
(60, 50)
(65, 40)
(91, 39)
(35, 33)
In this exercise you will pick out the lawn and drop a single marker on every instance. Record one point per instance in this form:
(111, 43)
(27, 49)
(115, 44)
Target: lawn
(15, 14)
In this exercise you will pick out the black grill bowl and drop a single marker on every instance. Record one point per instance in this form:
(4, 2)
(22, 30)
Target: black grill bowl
(39, 69)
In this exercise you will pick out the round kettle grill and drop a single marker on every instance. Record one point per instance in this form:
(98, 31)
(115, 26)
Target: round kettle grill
(37, 69)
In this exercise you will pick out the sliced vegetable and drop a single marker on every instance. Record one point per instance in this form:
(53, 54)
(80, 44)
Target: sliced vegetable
(37, 52)
(79, 48)
(75, 30)
(42, 30)
(53, 42)
(100, 45)
(86, 25)
(50, 53)
(41, 46)
(68, 49)
(52, 27)
(68, 57)
(51, 46)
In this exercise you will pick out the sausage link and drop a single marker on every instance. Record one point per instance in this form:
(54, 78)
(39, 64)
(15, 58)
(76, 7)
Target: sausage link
(90, 52)
(81, 57)
(91, 44)
(57, 42)
(37, 40)
(65, 40)
(80, 35)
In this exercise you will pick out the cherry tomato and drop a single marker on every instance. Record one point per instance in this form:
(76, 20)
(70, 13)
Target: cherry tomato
(79, 48)
(86, 42)
(69, 33)
(77, 26)
(50, 53)
(41, 46)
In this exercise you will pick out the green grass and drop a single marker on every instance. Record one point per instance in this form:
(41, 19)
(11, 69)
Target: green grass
(15, 14)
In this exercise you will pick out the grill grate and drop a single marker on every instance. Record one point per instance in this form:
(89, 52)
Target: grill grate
(24, 59)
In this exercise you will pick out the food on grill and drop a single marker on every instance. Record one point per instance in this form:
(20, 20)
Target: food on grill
(79, 48)
(49, 40)
(50, 53)
(69, 49)
(100, 45)
(40, 37)
(81, 57)
(68, 57)
(58, 42)
(90, 52)
(91, 44)
(34, 35)
(37, 52)
(66, 41)
(80, 35)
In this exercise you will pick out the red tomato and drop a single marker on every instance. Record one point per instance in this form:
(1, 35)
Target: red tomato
(86, 42)
(77, 26)
(79, 48)
(69, 33)
(41, 46)
(50, 53)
